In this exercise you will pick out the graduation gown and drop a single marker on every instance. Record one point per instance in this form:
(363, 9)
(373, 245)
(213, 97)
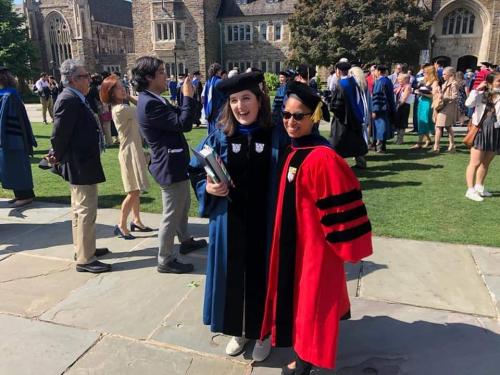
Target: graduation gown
(347, 126)
(320, 223)
(384, 106)
(239, 231)
(16, 142)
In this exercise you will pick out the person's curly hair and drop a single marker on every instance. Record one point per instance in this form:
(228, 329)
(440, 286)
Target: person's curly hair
(489, 93)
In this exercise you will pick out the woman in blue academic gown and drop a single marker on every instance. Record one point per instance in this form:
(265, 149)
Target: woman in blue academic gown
(241, 215)
(16, 142)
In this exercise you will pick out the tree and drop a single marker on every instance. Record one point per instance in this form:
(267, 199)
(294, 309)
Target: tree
(16, 49)
(364, 31)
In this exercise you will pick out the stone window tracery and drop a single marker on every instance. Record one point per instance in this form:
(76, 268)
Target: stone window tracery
(59, 38)
(459, 21)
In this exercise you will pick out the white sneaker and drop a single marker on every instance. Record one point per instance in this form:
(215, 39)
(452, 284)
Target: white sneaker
(482, 192)
(261, 350)
(236, 345)
(473, 195)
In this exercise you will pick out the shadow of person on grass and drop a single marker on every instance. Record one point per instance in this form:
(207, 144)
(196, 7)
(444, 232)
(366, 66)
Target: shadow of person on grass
(381, 345)
(376, 184)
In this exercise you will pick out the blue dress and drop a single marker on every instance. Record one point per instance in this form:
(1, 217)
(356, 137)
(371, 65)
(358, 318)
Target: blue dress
(240, 230)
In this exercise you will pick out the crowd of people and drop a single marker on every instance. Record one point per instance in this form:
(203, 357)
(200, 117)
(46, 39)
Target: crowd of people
(264, 278)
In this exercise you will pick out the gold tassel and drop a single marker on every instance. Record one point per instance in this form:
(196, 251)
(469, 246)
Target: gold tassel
(318, 113)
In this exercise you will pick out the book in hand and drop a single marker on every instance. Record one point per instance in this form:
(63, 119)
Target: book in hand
(213, 164)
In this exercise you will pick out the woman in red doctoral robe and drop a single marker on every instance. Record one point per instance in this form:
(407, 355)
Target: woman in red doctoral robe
(321, 222)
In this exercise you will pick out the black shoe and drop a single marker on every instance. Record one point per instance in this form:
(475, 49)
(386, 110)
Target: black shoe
(285, 370)
(118, 232)
(99, 252)
(94, 267)
(134, 227)
(175, 267)
(191, 245)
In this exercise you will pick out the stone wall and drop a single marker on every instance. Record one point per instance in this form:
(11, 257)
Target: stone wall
(84, 44)
(258, 50)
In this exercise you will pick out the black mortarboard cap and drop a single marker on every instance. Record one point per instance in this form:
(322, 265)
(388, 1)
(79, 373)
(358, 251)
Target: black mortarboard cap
(241, 82)
(309, 98)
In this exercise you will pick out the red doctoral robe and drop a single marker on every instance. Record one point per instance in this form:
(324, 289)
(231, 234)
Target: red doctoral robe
(321, 222)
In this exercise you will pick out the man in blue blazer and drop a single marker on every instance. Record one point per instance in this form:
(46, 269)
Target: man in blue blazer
(163, 127)
(76, 140)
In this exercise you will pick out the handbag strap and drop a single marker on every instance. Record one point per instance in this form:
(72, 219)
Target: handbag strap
(483, 117)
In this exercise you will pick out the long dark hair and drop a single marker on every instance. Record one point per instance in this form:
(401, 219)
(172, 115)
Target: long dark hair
(489, 93)
(229, 123)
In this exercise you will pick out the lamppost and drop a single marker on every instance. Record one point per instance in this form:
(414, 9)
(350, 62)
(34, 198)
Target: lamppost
(175, 64)
(52, 64)
(432, 42)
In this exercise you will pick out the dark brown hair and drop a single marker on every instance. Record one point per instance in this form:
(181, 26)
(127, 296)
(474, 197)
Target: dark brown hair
(488, 93)
(107, 87)
(7, 79)
(229, 123)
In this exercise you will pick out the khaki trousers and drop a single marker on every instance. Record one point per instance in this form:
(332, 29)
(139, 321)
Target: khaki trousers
(47, 104)
(176, 200)
(106, 127)
(84, 206)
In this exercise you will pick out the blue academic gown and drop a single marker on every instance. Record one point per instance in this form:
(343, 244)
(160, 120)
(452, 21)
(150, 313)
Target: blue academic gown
(213, 102)
(384, 106)
(16, 142)
(240, 230)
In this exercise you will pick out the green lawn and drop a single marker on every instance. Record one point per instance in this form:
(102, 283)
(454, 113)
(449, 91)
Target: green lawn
(409, 194)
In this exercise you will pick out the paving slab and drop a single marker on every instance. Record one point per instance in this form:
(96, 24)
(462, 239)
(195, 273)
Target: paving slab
(487, 259)
(32, 347)
(120, 356)
(184, 327)
(412, 341)
(131, 301)
(35, 213)
(353, 273)
(31, 285)
(426, 274)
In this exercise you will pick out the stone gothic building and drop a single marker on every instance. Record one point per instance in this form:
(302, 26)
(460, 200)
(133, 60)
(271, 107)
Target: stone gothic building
(192, 34)
(99, 32)
(466, 32)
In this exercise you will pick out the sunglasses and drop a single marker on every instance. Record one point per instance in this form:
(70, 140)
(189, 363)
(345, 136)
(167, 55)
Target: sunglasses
(80, 76)
(296, 116)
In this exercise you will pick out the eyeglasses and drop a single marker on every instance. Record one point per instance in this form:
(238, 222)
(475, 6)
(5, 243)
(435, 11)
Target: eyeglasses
(296, 116)
(79, 76)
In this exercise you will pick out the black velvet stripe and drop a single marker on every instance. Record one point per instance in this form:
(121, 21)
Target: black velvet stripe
(339, 200)
(287, 253)
(343, 217)
(349, 234)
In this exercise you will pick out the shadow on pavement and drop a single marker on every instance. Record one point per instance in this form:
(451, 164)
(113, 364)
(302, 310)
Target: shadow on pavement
(385, 346)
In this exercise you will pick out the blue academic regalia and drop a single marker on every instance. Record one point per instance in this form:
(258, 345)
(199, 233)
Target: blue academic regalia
(384, 106)
(16, 142)
(213, 101)
(240, 230)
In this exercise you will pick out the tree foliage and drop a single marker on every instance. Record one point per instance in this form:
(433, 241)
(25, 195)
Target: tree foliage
(364, 31)
(16, 49)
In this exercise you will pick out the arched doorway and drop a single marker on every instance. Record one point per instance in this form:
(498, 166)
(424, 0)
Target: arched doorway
(466, 62)
(58, 36)
(445, 59)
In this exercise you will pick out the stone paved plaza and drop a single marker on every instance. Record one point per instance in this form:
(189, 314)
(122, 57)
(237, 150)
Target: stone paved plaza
(418, 307)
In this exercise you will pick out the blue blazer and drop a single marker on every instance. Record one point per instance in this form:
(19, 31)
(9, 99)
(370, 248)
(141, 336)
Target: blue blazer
(163, 126)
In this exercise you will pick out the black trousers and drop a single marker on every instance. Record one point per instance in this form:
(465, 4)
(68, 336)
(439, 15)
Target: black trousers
(302, 367)
(24, 194)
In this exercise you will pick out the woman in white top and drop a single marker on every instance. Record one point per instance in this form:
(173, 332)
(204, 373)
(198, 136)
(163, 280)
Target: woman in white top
(485, 100)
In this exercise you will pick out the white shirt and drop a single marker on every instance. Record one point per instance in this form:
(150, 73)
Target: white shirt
(40, 84)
